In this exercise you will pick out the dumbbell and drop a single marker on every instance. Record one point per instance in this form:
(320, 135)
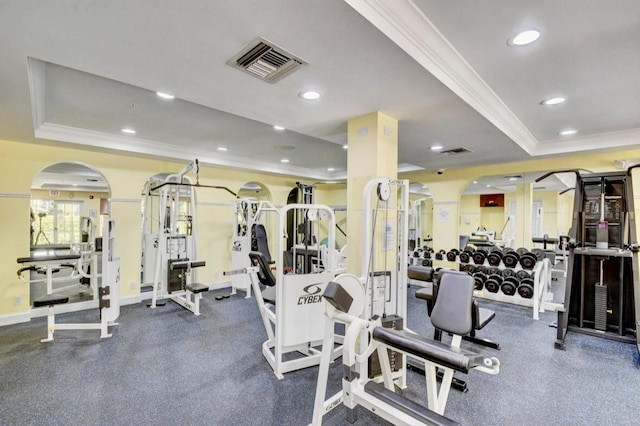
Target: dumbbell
(468, 268)
(465, 255)
(539, 253)
(479, 256)
(525, 289)
(479, 279)
(493, 282)
(509, 286)
(508, 273)
(452, 255)
(494, 257)
(494, 270)
(528, 260)
(440, 255)
(427, 262)
(511, 259)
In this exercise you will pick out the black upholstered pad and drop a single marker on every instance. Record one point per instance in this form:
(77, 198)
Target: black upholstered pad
(48, 258)
(452, 310)
(420, 273)
(431, 350)
(407, 406)
(264, 274)
(424, 294)
(50, 300)
(197, 287)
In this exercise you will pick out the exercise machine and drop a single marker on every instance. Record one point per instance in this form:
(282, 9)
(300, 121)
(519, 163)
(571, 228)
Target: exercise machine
(602, 295)
(169, 244)
(108, 291)
(249, 235)
(290, 306)
(346, 303)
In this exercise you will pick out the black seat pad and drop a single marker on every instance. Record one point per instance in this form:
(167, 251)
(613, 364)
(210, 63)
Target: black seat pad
(431, 350)
(50, 300)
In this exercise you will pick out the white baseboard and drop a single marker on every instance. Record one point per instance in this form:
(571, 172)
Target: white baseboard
(61, 309)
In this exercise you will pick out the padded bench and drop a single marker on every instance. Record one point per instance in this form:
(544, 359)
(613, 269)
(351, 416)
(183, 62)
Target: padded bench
(196, 288)
(479, 316)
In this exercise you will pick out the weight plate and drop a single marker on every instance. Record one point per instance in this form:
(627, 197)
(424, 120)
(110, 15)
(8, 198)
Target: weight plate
(508, 288)
(492, 286)
(539, 253)
(528, 261)
(451, 256)
(494, 258)
(494, 271)
(508, 273)
(525, 291)
(496, 278)
(464, 257)
(522, 274)
(478, 257)
(510, 259)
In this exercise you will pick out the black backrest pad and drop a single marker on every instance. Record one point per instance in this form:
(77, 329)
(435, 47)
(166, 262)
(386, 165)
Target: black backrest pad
(420, 273)
(264, 274)
(452, 311)
(431, 350)
(260, 238)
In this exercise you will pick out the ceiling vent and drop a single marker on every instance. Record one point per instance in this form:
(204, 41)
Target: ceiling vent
(266, 61)
(455, 151)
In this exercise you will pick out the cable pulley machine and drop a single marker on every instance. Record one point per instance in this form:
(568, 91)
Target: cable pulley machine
(602, 296)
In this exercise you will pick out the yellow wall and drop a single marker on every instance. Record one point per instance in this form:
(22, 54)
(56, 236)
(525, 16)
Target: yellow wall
(126, 175)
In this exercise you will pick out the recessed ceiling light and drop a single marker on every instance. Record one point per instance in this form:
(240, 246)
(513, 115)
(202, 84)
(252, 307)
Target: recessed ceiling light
(222, 148)
(524, 38)
(488, 186)
(425, 187)
(284, 160)
(475, 182)
(128, 130)
(310, 95)
(512, 178)
(568, 132)
(436, 147)
(553, 101)
(278, 127)
(345, 147)
(165, 95)
(331, 169)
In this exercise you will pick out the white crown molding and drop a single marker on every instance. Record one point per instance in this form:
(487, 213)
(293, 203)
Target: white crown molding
(564, 145)
(405, 24)
(155, 149)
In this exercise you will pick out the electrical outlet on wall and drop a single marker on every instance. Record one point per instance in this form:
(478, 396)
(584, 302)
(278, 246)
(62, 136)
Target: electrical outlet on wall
(17, 300)
(133, 286)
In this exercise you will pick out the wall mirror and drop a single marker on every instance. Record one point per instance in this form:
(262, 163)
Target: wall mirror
(68, 202)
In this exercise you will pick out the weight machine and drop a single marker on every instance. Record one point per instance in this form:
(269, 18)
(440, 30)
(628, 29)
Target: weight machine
(290, 306)
(602, 296)
(249, 235)
(108, 291)
(169, 244)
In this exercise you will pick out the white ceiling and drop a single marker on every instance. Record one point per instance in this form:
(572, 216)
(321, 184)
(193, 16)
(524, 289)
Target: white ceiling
(77, 71)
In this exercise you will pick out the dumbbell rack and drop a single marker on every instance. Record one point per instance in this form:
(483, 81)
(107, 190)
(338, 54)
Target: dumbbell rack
(542, 297)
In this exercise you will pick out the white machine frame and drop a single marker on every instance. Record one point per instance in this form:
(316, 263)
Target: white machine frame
(108, 291)
(354, 360)
(295, 323)
(165, 242)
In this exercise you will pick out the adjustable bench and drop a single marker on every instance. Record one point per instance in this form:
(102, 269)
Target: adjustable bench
(479, 316)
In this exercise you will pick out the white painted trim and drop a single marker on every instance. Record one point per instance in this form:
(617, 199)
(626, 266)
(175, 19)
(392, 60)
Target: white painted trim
(10, 195)
(125, 200)
(442, 203)
(14, 318)
(61, 309)
(36, 73)
(155, 149)
(623, 138)
(213, 204)
(405, 24)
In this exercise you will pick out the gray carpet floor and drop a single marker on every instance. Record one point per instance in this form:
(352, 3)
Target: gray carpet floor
(166, 366)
